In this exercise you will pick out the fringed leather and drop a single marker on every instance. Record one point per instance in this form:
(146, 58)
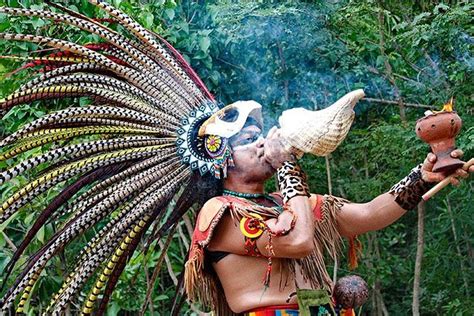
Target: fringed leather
(204, 287)
(327, 240)
(355, 248)
(200, 285)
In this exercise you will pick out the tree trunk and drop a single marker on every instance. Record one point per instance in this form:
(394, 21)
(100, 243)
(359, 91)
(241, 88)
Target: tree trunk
(381, 307)
(378, 305)
(419, 256)
(413, 105)
(328, 173)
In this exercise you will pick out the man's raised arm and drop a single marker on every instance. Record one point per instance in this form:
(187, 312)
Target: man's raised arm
(357, 218)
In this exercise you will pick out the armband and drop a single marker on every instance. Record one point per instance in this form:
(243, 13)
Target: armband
(410, 189)
(292, 181)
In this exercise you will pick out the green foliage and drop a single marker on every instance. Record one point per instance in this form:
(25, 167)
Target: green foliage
(302, 54)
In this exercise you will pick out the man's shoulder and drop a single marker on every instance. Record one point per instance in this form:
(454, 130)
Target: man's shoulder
(210, 210)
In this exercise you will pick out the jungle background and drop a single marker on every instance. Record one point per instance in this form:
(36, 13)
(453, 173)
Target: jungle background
(408, 56)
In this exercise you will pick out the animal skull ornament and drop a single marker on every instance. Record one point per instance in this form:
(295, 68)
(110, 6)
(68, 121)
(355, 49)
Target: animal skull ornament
(236, 113)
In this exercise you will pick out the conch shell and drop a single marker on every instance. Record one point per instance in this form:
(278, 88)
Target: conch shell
(318, 132)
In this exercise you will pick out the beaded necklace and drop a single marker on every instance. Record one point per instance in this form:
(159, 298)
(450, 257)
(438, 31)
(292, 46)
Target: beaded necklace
(244, 195)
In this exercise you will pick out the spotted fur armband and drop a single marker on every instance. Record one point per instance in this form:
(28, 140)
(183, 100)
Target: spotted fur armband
(410, 189)
(292, 181)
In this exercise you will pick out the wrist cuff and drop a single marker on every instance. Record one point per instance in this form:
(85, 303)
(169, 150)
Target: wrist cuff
(292, 181)
(410, 189)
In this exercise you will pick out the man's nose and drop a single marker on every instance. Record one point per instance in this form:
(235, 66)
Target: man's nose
(260, 142)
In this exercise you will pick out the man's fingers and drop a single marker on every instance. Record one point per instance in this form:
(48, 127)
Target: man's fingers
(462, 173)
(454, 181)
(432, 176)
(471, 169)
(457, 153)
(271, 132)
(429, 162)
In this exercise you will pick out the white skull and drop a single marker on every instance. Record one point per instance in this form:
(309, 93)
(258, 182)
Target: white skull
(216, 126)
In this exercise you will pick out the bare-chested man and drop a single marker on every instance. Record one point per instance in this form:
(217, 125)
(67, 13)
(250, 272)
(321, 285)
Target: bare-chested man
(245, 235)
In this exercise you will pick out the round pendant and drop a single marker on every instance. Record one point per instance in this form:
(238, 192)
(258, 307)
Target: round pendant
(251, 227)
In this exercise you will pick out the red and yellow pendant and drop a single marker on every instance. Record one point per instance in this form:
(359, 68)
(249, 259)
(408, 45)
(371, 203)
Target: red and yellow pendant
(252, 227)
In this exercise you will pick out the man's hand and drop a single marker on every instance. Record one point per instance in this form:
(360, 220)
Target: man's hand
(275, 153)
(429, 176)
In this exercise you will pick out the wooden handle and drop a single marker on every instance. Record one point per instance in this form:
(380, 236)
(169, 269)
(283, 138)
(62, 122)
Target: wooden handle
(445, 182)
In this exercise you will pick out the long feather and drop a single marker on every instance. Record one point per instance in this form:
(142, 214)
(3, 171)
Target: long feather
(26, 280)
(167, 61)
(113, 38)
(46, 136)
(97, 192)
(79, 151)
(31, 190)
(105, 247)
(118, 156)
(148, 175)
(116, 264)
(88, 111)
(133, 76)
(58, 201)
(73, 68)
(86, 89)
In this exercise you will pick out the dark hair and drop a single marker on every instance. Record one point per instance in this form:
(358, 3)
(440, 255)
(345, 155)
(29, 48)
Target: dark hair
(207, 187)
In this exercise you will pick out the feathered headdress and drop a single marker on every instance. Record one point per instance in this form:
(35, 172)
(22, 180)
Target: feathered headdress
(123, 158)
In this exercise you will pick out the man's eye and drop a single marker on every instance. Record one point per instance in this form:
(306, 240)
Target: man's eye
(252, 139)
(247, 140)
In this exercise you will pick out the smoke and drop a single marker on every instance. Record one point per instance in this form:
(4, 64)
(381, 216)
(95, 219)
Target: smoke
(290, 55)
(464, 56)
(282, 56)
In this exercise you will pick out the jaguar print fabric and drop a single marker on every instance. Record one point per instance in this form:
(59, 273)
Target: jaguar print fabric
(292, 181)
(409, 190)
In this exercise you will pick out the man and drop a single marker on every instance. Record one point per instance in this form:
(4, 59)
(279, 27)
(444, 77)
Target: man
(141, 146)
(276, 246)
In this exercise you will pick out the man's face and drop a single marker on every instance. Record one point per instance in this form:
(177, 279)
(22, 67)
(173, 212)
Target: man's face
(248, 148)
